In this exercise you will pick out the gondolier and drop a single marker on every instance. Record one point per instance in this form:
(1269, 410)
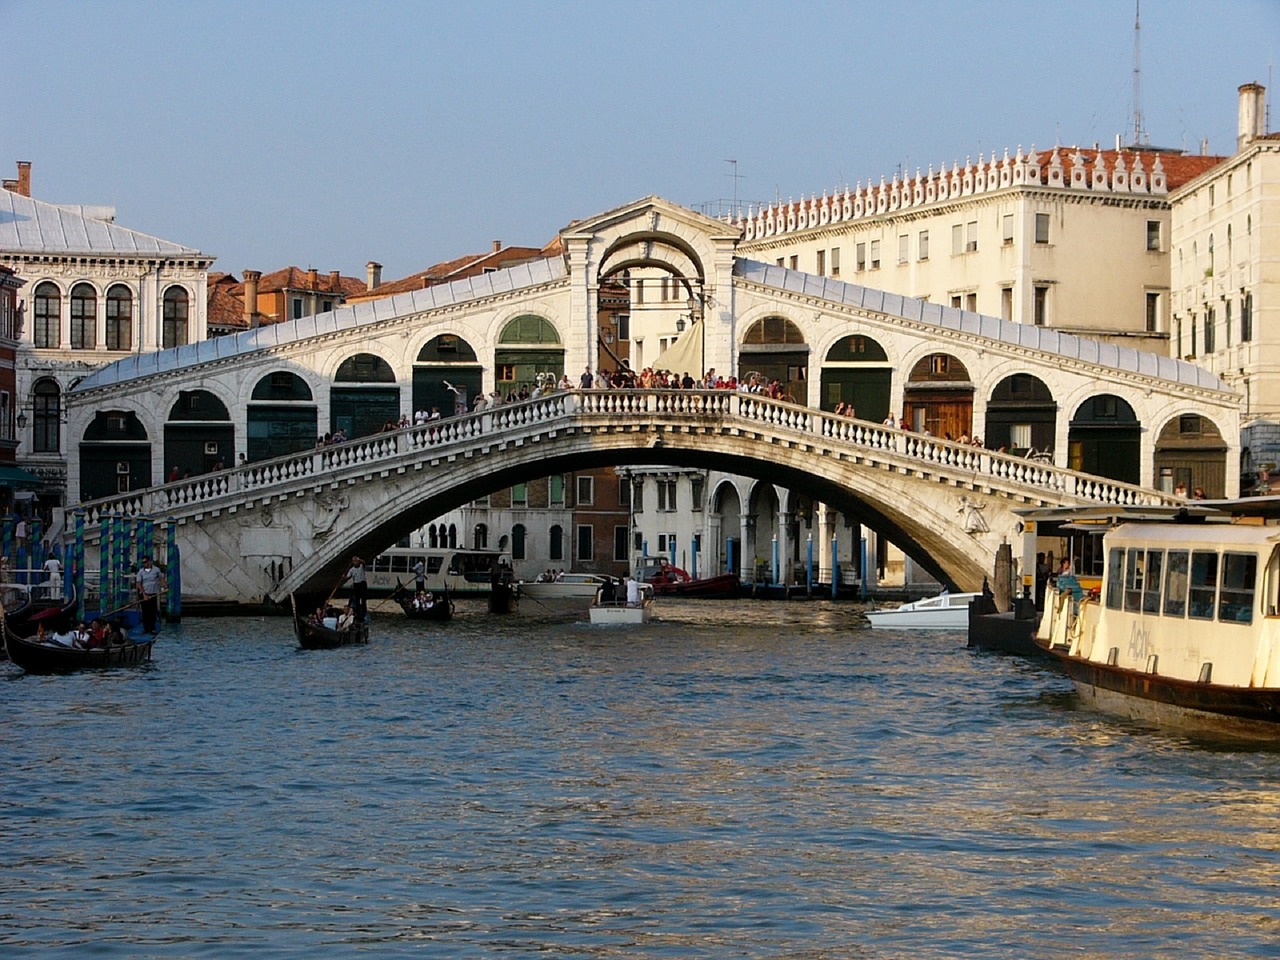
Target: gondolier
(419, 576)
(150, 586)
(359, 588)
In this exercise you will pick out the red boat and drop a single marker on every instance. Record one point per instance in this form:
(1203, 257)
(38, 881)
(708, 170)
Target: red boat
(669, 580)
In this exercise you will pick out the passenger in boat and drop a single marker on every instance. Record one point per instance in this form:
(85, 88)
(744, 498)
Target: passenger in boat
(608, 591)
(346, 620)
(97, 634)
(115, 633)
(633, 592)
(1066, 582)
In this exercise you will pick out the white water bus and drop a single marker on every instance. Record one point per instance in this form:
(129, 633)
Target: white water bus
(460, 571)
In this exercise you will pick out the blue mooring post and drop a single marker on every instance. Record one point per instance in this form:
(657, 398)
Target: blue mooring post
(694, 555)
(644, 548)
(835, 566)
(862, 570)
(774, 570)
(808, 566)
(673, 551)
(729, 557)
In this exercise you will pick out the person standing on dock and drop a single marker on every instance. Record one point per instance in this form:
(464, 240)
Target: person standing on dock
(150, 585)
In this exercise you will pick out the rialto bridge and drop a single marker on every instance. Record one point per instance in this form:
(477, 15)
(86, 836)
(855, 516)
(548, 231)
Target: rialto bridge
(1118, 425)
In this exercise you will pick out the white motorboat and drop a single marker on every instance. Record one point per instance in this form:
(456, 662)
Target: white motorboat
(620, 612)
(570, 587)
(946, 611)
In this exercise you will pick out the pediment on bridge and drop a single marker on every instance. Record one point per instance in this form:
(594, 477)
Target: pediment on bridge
(650, 215)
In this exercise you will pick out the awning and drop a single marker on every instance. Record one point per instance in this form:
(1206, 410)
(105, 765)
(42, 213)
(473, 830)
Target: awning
(11, 476)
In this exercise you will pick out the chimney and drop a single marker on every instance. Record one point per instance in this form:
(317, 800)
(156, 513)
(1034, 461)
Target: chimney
(497, 245)
(1252, 114)
(373, 274)
(21, 186)
(335, 280)
(313, 278)
(251, 315)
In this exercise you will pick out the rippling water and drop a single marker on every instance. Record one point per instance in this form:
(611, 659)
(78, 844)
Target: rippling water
(738, 780)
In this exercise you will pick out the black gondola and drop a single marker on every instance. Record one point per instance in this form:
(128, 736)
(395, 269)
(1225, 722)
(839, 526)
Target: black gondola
(26, 621)
(35, 656)
(316, 636)
(440, 609)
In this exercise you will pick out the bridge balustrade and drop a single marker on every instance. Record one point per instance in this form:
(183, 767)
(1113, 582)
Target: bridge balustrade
(441, 437)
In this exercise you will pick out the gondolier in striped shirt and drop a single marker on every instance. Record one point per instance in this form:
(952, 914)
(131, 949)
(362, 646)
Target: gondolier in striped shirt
(150, 586)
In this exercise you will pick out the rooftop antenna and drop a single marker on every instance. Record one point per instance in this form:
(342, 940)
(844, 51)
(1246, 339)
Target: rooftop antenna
(736, 177)
(1138, 136)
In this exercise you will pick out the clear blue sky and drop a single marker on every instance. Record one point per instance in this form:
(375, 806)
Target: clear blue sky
(328, 133)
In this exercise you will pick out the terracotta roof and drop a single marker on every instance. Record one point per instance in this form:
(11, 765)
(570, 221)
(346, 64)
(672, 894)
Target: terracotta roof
(448, 270)
(1179, 168)
(293, 278)
(226, 304)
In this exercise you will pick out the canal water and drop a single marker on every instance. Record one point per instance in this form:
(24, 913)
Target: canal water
(737, 780)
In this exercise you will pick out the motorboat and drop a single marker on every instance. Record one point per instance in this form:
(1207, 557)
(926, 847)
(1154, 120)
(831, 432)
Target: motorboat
(1185, 628)
(668, 580)
(619, 612)
(568, 587)
(946, 611)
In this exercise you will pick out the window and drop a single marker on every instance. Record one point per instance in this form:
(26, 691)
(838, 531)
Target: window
(924, 244)
(1006, 228)
(1239, 572)
(295, 306)
(835, 261)
(795, 261)
(1133, 571)
(875, 255)
(1040, 306)
(1020, 436)
(1151, 585)
(1226, 321)
(84, 316)
(666, 495)
(822, 263)
(957, 301)
(1189, 424)
(939, 364)
(555, 489)
(1006, 303)
(518, 542)
(637, 495)
(586, 491)
(971, 237)
(957, 239)
(119, 318)
(639, 288)
(1042, 228)
(860, 256)
(555, 545)
(480, 537)
(1115, 577)
(904, 247)
(520, 495)
(1153, 312)
(624, 492)
(697, 485)
(174, 332)
(971, 302)
(1153, 236)
(1210, 331)
(586, 542)
(620, 543)
(1246, 318)
(47, 305)
(1204, 584)
(46, 417)
(1175, 584)
(506, 372)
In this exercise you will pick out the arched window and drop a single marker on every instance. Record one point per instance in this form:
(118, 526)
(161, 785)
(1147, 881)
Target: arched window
(432, 539)
(46, 330)
(364, 368)
(174, 332)
(46, 417)
(529, 328)
(481, 539)
(517, 542)
(774, 330)
(453, 537)
(556, 546)
(119, 318)
(84, 316)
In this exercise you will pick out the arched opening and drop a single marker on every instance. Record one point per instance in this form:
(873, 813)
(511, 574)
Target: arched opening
(359, 404)
(46, 416)
(938, 397)
(1105, 439)
(84, 316)
(119, 317)
(726, 520)
(174, 331)
(480, 537)
(518, 542)
(1190, 451)
(115, 456)
(762, 521)
(1021, 414)
(281, 418)
(774, 349)
(445, 359)
(555, 542)
(528, 346)
(46, 315)
(198, 436)
(856, 371)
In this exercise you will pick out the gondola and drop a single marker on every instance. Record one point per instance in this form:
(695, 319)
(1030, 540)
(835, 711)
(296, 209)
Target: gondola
(35, 656)
(26, 620)
(441, 609)
(316, 636)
